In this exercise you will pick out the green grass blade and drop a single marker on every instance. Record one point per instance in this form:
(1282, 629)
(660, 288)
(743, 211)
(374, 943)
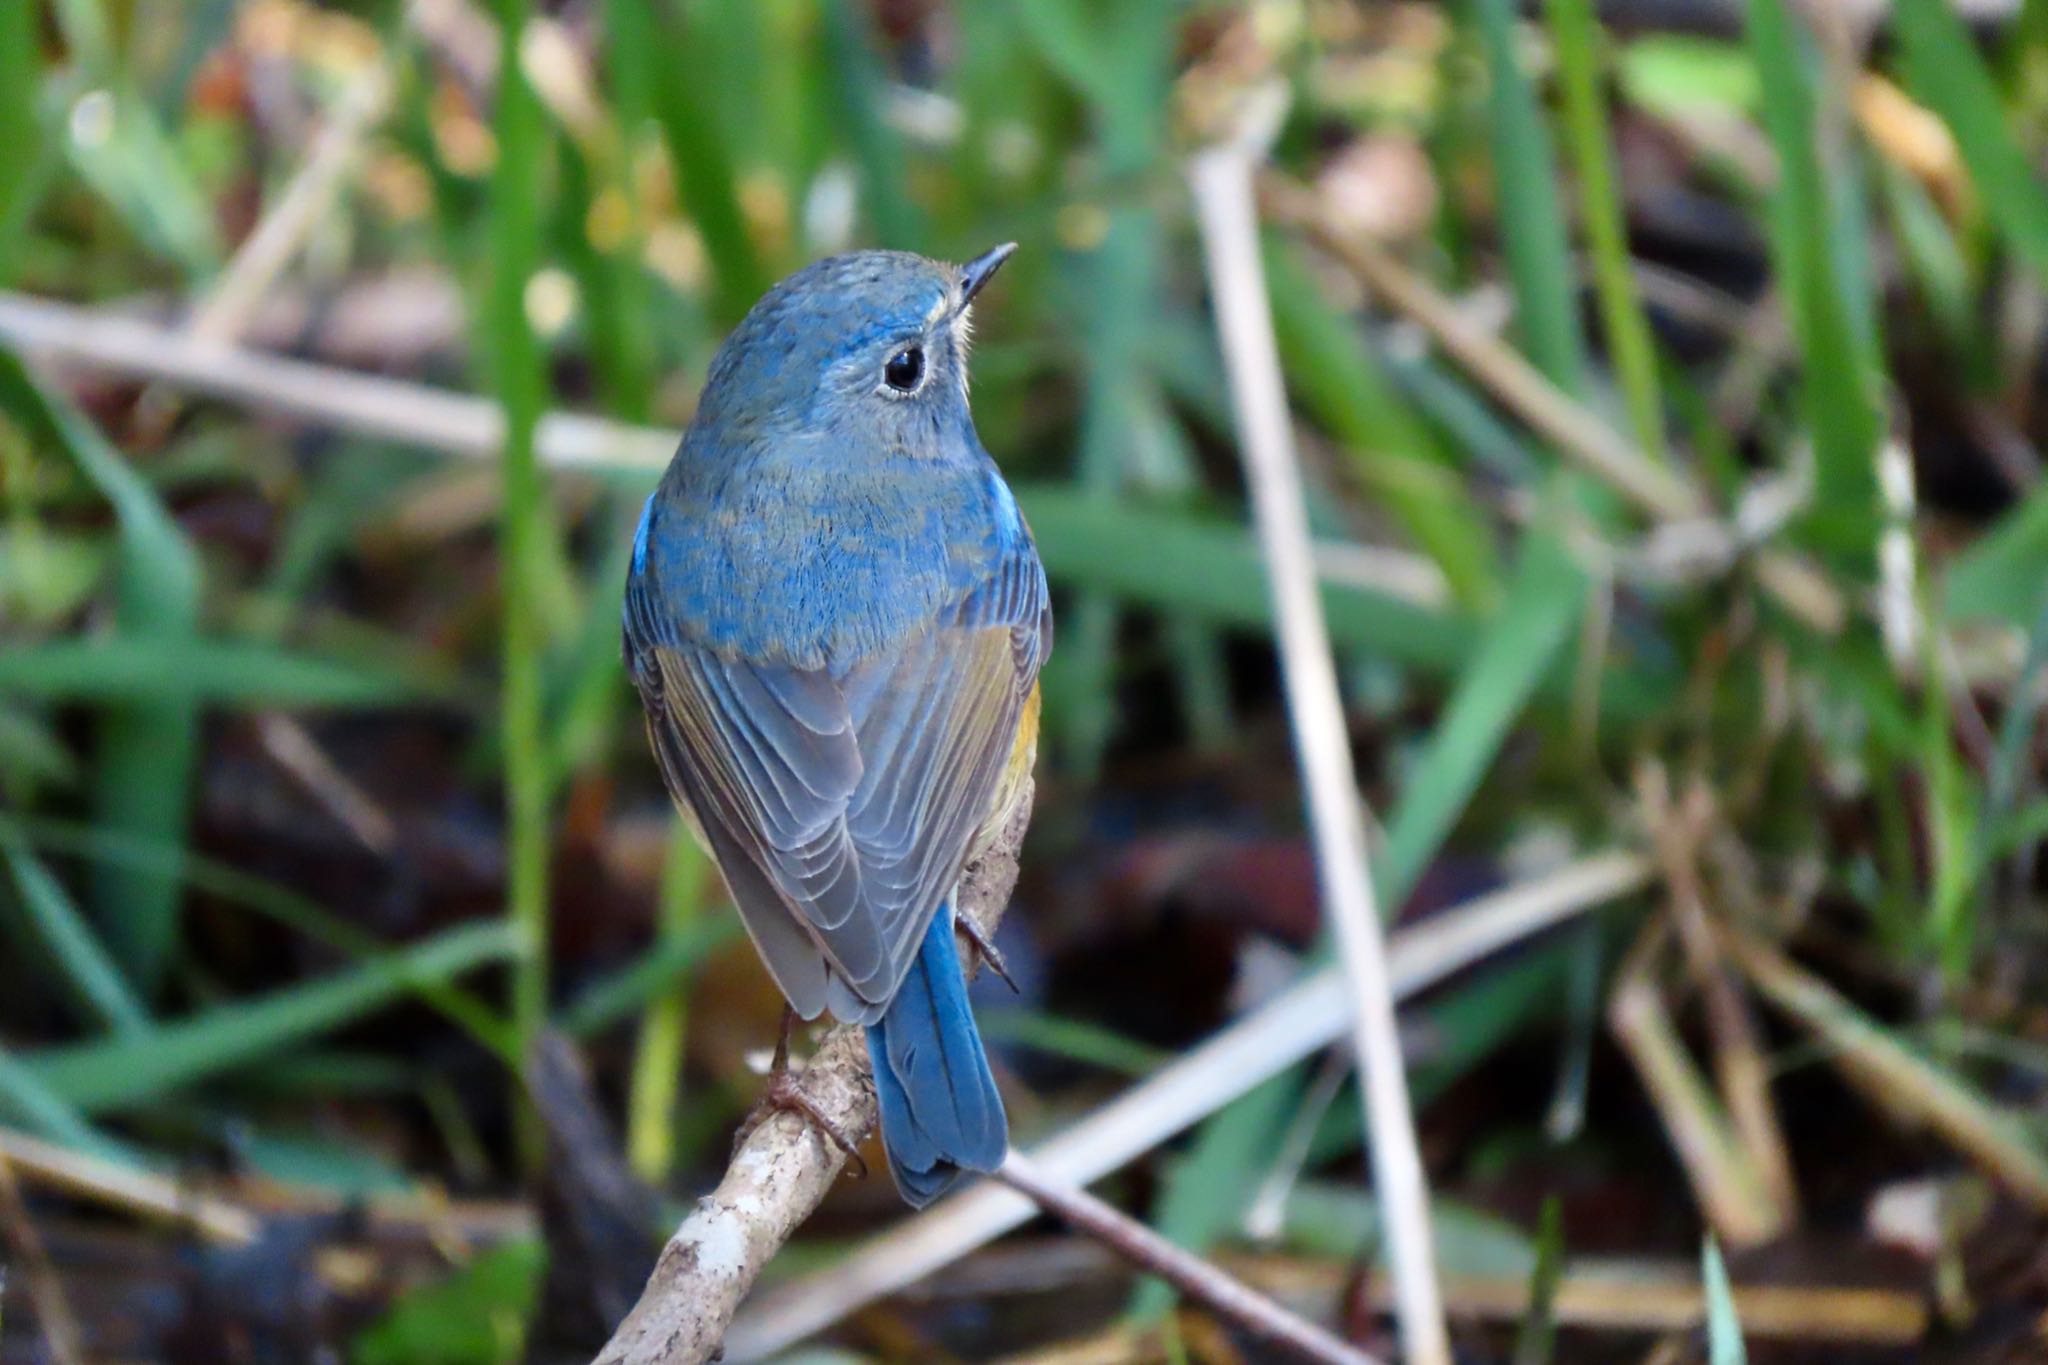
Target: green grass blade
(585, 700)
(1211, 568)
(133, 167)
(148, 741)
(1158, 454)
(1325, 1219)
(1576, 37)
(658, 1060)
(857, 88)
(731, 38)
(1683, 75)
(519, 379)
(1063, 37)
(479, 1314)
(1118, 57)
(629, 42)
(2016, 731)
(703, 170)
(25, 154)
(119, 1074)
(1945, 70)
(1536, 1339)
(614, 289)
(32, 756)
(652, 975)
(280, 904)
(1082, 683)
(1841, 394)
(88, 969)
(26, 1101)
(1464, 418)
(1339, 381)
(1469, 1023)
(1201, 674)
(148, 756)
(1998, 576)
(117, 145)
(1947, 282)
(1724, 1330)
(20, 77)
(1075, 1040)
(1532, 222)
(125, 670)
(1207, 1193)
(1520, 644)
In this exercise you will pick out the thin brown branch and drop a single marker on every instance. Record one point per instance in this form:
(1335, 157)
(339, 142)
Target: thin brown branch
(1188, 1273)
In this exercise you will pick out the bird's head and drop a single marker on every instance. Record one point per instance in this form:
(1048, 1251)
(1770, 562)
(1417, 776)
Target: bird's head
(872, 344)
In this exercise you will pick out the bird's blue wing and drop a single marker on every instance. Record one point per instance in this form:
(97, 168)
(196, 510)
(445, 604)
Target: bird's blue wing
(840, 803)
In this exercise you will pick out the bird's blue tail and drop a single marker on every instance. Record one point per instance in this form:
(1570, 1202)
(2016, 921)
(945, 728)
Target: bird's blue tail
(940, 1109)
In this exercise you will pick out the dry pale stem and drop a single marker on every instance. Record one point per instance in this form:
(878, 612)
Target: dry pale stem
(1222, 178)
(45, 1290)
(1892, 1076)
(116, 1185)
(1725, 1182)
(1680, 831)
(1624, 1295)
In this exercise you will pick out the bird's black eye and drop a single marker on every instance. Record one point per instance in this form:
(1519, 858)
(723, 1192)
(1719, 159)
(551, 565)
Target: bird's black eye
(905, 370)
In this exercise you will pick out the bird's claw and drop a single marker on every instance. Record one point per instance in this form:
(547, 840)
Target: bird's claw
(785, 1095)
(990, 956)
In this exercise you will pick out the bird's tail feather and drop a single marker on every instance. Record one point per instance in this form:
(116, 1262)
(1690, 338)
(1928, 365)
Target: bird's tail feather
(940, 1109)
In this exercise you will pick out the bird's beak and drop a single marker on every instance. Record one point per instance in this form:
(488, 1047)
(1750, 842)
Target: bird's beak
(981, 270)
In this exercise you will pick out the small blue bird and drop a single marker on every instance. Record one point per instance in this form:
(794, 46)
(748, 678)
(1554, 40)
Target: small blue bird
(835, 618)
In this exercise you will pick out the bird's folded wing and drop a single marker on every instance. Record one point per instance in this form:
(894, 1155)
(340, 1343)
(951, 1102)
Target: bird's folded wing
(847, 803)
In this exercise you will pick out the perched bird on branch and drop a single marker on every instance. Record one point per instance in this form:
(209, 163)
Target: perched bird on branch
(835, 618)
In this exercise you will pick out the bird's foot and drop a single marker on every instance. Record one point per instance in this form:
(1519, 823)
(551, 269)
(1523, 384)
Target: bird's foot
(785, 1095)
(986, 951)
